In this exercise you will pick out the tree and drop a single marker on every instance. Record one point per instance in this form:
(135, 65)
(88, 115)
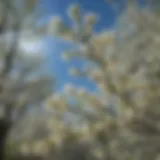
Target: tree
(22, 83)
(124, 63)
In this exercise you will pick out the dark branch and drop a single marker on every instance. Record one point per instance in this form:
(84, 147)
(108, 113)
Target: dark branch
(12, 53)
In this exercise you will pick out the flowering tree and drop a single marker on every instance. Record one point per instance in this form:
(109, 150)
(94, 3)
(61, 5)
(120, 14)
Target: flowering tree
(122, 120)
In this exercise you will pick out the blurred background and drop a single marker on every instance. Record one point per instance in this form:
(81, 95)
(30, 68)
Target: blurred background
(79, 79)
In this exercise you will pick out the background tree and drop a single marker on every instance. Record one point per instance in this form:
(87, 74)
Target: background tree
(22, 83)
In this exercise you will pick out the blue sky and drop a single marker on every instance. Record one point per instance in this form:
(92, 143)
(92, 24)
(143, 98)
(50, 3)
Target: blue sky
(54, 48)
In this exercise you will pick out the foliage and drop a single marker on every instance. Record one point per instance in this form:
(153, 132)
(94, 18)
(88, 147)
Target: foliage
(121, 121)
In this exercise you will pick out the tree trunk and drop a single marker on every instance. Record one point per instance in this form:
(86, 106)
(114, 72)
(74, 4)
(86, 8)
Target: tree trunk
(4, 130)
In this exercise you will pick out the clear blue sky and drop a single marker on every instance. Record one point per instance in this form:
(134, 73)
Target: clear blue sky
(55, 47)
